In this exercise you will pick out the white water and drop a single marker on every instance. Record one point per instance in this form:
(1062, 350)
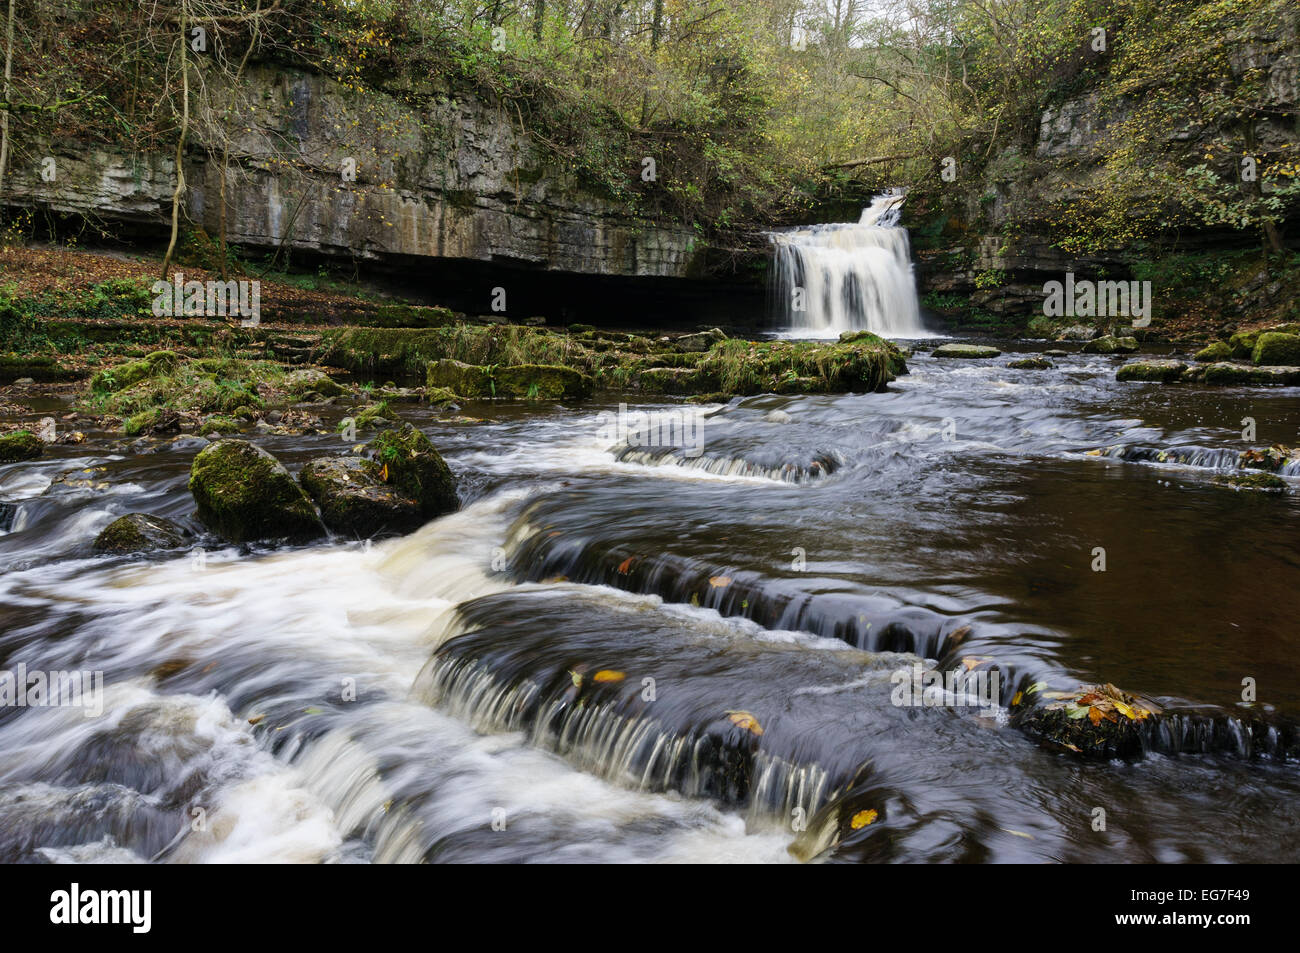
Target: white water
(851, 276)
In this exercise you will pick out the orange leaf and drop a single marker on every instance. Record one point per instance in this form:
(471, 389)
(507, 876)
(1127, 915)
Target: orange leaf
(383, 474)
(745, 720)
(1094, 715)
(626, 564)
(863, 818)
(719, 582)
(607, 675)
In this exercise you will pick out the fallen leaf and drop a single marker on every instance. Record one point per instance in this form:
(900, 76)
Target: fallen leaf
(608, 675)
(1094, 715)
(626, 565)
(719, 582)
(1016, 701)
(745, 720)
(863, 818)
(256, 719)
(383, 474)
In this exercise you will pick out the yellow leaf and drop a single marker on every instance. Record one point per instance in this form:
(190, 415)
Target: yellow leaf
(1016, 701)
(577, 678)
(863, 818)
(607, 675)
(745, 720)
(383, 474)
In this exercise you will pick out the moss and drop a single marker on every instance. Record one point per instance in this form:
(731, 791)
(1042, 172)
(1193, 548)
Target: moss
(1031, 364)
(1109, 344)
(243, 493)
(1218, 351)
(441, 397)
(300, 384)
(468, 380)
(1223, 372)
(355, 500)
(1266, 482)
(370, 413)
(137, 424)
(217, 423)
(1243, 343)
(1276, 348)
(969, 351)
(20, 445)
(542, 382)
(139, 532)
(122, 376)
(414, 467)
(1164, 372)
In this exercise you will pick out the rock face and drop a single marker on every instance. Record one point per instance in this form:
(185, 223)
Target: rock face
(458, 178)
(244, 494)
(20, 445)
(139, 532)
(410, 465)
(355, 501)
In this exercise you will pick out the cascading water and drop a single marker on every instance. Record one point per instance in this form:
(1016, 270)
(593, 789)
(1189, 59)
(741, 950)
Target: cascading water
(849, 277)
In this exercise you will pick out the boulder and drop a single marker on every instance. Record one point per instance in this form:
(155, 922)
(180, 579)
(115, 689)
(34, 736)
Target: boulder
(243, 494)
(970, 351)
(703, 340)
(411, 465)
(1218, 351)
(1227, 373)
(302, 383)
(138, 533)
(1077, 332)
(1109, 344)
(20, 445)
(1164, 372)
(1031, 364)
(355, 501)
(1275, 348)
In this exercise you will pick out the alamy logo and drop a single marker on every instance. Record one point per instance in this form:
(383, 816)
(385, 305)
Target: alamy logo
(679, 428)
(179, 298)
(918, 687)
(37, 689)
(1098, 299)
(133, 907)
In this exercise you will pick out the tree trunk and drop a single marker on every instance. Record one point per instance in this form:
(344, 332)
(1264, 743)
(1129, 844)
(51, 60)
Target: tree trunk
(180, 139)
(4, 117)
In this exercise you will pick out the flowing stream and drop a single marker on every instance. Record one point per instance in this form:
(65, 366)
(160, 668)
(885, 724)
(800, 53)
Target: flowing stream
(562, 670)
(848, 277)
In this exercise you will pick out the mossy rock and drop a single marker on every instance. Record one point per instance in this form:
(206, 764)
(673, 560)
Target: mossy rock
(243, 494)
(471, 381)
(138, 533)
(355, 501)
(1218, 351)
(1225, 373)
(701, 341)
(155, 420)
(216, 423)
(1242, 343)
(413, 467)
(542, 382)
(1164, 372)
(1031, 364)
(965, 351)
(1096, 721)
(122, 376)
(1110, 344)
(667, 380)
(1275, 348)
(1265, 482)
(308, 381)
(20, 445)
(441, 397)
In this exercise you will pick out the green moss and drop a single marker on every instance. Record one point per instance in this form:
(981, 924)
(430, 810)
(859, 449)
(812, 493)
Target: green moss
(1110, 344)
(138, 532)
(1164, 372)
(20, 445)
(415, 468)
(1218, 351)
(1243, 343)
(243, 493)
(441, 397)
(1266, 482)
(122, 376)
(217, 423)
(1275, 348)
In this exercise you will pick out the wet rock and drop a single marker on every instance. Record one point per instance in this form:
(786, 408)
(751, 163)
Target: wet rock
(411, 465)
(1077, 332)
(1056, 352)
(20, 445)
(1265, 482)
(243, 494)
(355, 501)
(702, 341)
(1031, 364)
(1165, 371)
(1096, 721)
(969, 351)
(1274, 349)
(1227, 373)
(1218, 351)
(138, 533)
(308, 381)
(1109, 344)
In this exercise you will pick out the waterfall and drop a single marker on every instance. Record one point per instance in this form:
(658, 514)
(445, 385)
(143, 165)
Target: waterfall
(850, 276)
